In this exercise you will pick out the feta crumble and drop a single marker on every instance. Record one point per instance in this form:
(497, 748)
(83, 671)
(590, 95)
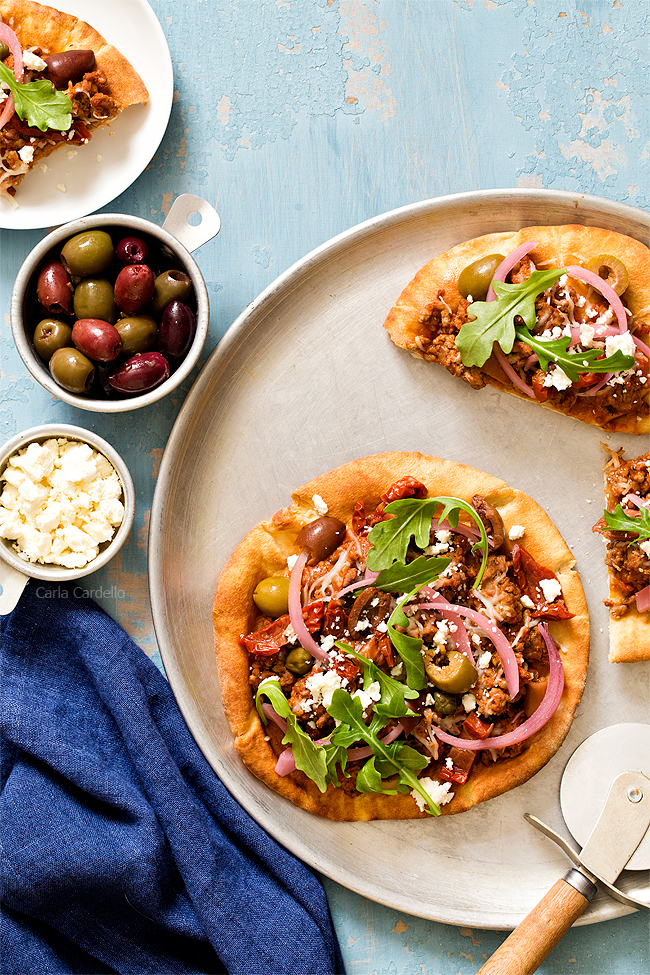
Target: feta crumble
(551, 589)
(439, 792)
(320, 505)
(515, 532)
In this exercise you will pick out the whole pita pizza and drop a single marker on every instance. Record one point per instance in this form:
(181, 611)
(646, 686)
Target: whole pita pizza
(557, 315)
(625, 525)
(62, 82)
(409, 637)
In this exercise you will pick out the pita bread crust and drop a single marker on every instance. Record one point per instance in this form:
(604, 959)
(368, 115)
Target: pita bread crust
(557, 247)
(264, 552)
(55, 31)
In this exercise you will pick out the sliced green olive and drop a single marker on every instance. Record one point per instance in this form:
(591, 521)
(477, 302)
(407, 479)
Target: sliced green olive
(271, 596)
(476, 278)
(612, 270)
(454, 677)
(299, 661)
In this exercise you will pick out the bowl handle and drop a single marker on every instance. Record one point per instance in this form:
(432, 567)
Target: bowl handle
(192, 235)
(12, 583)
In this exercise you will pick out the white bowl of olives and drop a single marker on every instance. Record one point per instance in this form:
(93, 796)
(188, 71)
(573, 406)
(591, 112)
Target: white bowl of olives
(110, 312)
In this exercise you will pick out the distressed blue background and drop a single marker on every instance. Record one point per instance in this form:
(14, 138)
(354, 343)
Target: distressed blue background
(300, 118)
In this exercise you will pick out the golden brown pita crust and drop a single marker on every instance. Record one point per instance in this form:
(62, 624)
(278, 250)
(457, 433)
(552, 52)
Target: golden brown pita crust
(264, 552)
(54, 31)
(558, 247)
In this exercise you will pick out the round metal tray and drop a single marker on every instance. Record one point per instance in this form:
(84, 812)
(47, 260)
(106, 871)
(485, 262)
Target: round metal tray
(307, 379)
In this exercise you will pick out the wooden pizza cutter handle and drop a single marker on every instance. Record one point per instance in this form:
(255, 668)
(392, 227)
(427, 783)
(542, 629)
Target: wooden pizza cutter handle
(525, 949)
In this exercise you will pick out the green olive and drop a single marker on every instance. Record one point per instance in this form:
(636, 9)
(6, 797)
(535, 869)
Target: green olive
(455, 677)
(93, 298)
(88, 253)
(72, 370)
(476, 278)
(445, 703)
(612, 270)
(51, 334)
(4, 50)
(271, 596)
(299, 661)
(138, 333)
(170, 286)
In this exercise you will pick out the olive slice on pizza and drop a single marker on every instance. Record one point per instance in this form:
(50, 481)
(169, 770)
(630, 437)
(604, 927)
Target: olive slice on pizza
(408, 638)
(61, 81)
(625, 525)
(557, 315)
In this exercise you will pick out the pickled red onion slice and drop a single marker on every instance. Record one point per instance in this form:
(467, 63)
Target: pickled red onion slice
(638, 500)
(271, 713)
(444, 607)
(642, 600)
(286, 762)
(467, 530)
(12, 42)
(514, 377)
(500, 641)
(507, 264)
(537, 720)
(307, 641)
(367, 580)
(606, 290)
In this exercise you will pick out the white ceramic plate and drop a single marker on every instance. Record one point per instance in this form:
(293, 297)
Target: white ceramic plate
(95, 174)
(307, 379)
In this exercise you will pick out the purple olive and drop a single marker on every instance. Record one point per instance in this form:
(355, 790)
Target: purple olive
(140, 373)
(68, 66)
(133, 288)
(321, 537)
(176, 330)
(53, 288)
(132, 250)
(99, 340)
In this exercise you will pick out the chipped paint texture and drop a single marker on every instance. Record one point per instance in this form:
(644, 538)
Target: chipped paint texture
(579, 74)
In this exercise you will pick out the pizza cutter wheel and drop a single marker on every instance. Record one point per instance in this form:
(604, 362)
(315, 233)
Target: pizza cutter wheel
(605, 800)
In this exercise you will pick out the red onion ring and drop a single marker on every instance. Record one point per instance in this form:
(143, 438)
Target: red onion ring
(468, 530)
(460, 637)
(638, 500)
(642, 599)
(273, 715)
(12, 42)
(493, 633)
(606, 290)
(307, 641)
(537, 720)
(368, 578)
(514, 377)
(507, 264)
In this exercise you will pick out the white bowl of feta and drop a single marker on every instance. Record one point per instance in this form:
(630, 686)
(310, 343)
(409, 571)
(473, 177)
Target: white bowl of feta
(67, 504)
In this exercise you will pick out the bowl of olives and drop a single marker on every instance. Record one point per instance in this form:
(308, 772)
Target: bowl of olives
(110, 312)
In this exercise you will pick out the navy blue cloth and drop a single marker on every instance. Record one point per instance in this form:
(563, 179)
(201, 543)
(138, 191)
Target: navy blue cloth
(121, 849)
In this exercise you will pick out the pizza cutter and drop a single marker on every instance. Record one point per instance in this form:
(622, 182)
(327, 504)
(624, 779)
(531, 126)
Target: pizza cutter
(605, 800)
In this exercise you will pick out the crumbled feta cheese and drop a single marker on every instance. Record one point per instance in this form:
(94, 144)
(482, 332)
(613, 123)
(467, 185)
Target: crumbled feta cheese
(623, 343)
(527, 602)
(322, 685)
(439, 792)
(320, 505)
(558, 378)
(551, 589)
(645, 547)
(327, 643)
(26, 153)
(291, 561)
(484, 660)
(368, 696)
(32, 61)
(515, 532)
(469, 702)
(60, 502)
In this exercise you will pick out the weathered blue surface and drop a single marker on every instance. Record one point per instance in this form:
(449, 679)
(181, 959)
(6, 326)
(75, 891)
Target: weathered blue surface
(298, 119)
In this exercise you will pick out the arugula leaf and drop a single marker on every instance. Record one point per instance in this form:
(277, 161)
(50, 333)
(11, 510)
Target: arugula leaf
(619, 521)
(390, 539)
(408, 647)
(38, 102)
(394, 694)
(403, 578)
(573, 363)
(310, 758)
(396, 758)
(494, 321)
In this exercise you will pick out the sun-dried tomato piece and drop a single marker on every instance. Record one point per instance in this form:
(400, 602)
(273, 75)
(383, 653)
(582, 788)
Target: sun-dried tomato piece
(529, 574)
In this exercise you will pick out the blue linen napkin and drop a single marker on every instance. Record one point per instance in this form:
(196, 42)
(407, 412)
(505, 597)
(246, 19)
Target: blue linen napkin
(121, 849)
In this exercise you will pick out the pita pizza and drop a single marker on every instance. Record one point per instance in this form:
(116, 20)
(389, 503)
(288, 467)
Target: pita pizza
(556, 315)
(408, 638)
